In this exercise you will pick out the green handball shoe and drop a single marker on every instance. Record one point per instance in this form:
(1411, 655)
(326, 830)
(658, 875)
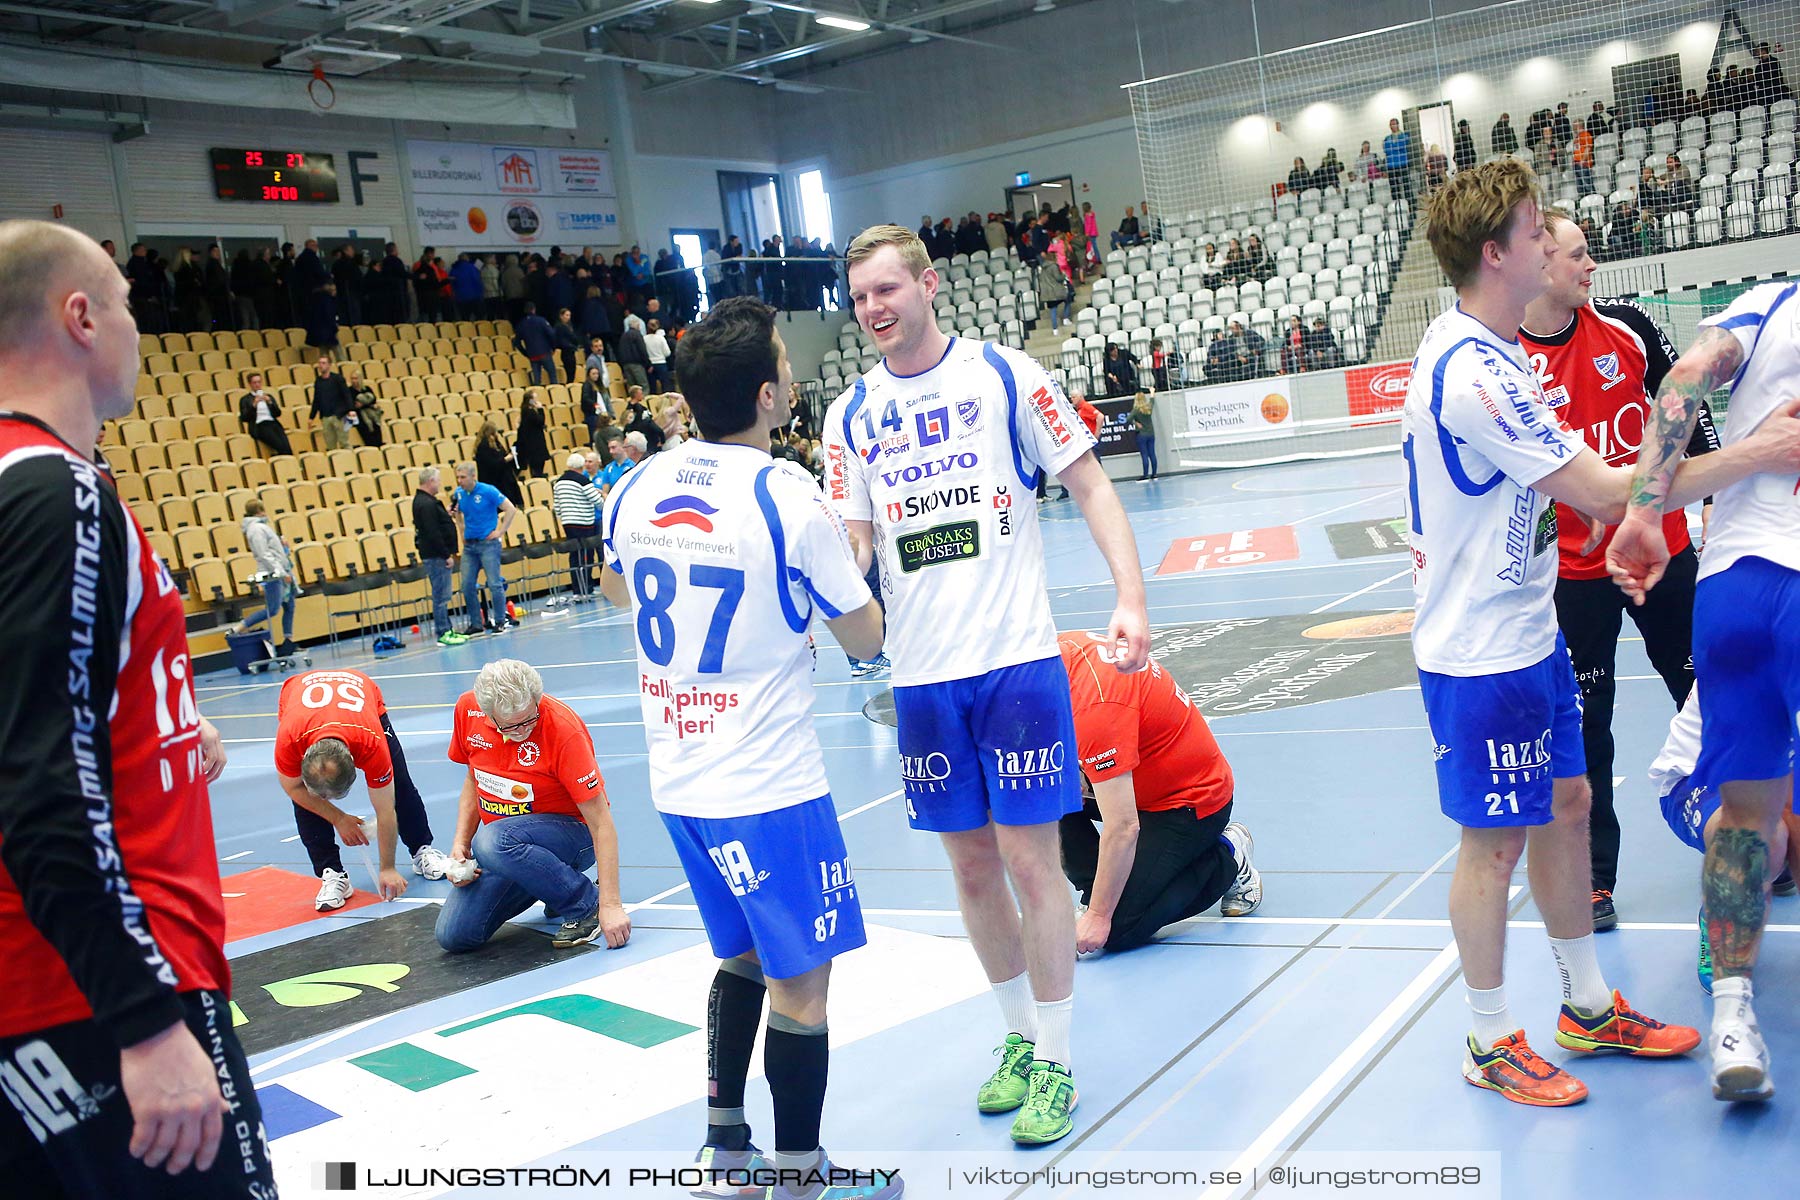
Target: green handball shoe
(1047, 1113)
(1005, 1089)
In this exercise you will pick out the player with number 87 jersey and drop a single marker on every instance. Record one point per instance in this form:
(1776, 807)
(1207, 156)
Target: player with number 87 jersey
(727, 556)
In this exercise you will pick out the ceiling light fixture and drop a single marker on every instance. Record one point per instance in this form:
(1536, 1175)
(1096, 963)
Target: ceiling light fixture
(919, 39)
(799, 89)
(667, 70)
(854, 26)
(1044, 6)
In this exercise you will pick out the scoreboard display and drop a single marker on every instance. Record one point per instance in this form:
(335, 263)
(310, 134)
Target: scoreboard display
(274, 176)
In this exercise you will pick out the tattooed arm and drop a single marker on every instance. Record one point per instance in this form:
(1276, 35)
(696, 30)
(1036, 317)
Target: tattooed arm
(1638, 554)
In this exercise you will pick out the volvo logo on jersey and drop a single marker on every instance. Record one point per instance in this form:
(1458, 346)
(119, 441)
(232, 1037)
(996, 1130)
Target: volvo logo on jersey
(1038, 767)
(1519, 762)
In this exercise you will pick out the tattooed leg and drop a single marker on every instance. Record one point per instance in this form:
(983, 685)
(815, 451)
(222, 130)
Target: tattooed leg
(1735, 879)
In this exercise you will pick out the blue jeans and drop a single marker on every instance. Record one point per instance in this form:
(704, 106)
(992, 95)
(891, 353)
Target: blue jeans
(1147, 452)
(1064, 304)
(524, 859)
(483, 555)
(541, 367)
(276, 597)
(438, 571)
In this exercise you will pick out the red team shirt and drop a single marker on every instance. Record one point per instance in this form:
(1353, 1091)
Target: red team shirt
(333, 704)
(151, 834)
(1144, 724)
(549, 772)
(1599, 375)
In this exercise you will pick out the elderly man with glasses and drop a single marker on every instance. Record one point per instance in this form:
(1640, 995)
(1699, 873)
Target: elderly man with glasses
(532, 818)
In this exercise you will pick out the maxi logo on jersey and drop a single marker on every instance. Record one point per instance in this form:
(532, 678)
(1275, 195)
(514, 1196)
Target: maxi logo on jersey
(685, 510)
(1044, 404)
(929, 502)
(835, 480)
(968, 460)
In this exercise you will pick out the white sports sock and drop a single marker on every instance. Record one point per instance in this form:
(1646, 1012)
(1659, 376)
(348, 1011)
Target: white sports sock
(1732, 997)
(1017, 1007)
(1054, 1017)
(1582, 984)
(1492, 1020)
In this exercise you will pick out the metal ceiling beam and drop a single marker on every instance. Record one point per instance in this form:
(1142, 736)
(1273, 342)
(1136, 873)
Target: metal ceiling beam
(601, 17)
(910, 25)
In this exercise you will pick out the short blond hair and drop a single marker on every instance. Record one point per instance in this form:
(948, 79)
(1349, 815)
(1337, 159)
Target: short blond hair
(1475, 208)
(912, 250)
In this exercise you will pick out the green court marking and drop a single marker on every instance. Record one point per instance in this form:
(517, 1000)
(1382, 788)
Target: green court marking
(616, 1021)
(237, 1016)
(336, 985)
(414, 1069)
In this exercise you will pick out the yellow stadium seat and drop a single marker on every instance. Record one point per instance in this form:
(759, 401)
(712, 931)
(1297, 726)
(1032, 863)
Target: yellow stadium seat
(214, 361)
(195, 480)
(346, 559)
(162, 543)
(211, 580)
(364, 488)
(187, 360)
(381, 352)
(384, 514)
(191, 545)
(313, 562)
(148, 344)
(397, 432)
(303, 495)
(131, 489)
(181, 454)
(224, 425)
(175, 512)
(406, 552)
(257, 471)
(378, 551)
(389, 389)
(250, 339)
(394, 455)
(334, 493)
(354, 519)
(399, 485)
(316, 465)
(158, 364)
(276, 498)
(423, 453)
(200, 342)
(228, 540)
(541, 524)
(368, 459)
(339, 463)
(413, 385)
(196, 381)
(324, 524)
(293, 527)
(149, 456)
(235, 500)
(210, 508)
(286, 468)
(160, 482)
(227, 476)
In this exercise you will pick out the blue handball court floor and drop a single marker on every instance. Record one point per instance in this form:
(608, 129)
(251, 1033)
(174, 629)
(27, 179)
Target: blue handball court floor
(1278, 1053)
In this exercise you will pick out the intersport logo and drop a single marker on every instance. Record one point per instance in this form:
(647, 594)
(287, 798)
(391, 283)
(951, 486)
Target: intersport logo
(918, 472)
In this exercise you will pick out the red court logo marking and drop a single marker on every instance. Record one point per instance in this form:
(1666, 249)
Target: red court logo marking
(1277, 543)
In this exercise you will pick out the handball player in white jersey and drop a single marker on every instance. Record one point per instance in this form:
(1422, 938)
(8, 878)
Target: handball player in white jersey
(1485, 455)
(933, 459)
(1746, 644)
(727, 556)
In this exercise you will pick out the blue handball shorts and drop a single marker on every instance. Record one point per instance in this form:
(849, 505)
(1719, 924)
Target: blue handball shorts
(1500, 740)
(777, 882)
(999, 746)
(1690, 804)
(1747, 661)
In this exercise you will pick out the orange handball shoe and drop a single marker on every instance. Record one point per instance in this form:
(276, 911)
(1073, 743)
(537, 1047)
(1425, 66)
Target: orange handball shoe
(1514, 1069)
(1622, 1030)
